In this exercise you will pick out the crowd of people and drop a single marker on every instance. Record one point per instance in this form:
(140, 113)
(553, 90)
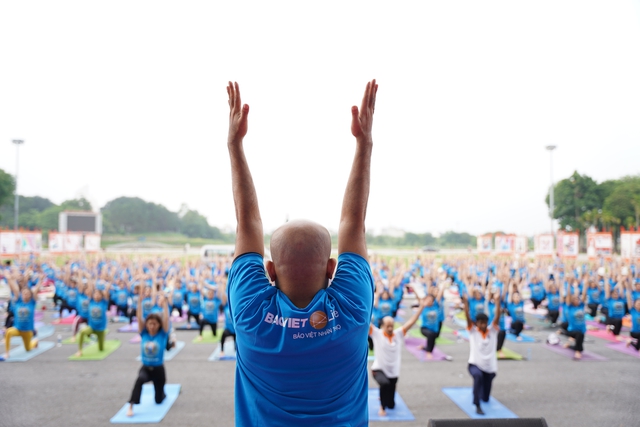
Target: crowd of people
(571, 292)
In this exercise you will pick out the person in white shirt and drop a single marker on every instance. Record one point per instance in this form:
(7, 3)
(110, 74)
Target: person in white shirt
(483, 363)
(388, 344)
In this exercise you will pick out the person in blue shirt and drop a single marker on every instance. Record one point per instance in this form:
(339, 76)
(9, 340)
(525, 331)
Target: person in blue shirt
(594, 297)
(24, 309)
(82, 307)
(634, 311)
(154, 333)
(211, 304)
(177, 296)
(193, 301)
(615, 304)
(537, 292)
(97, 321)
(301, 349)
(121, 297)
(515, 306)
(575, 326)
(430, 323)
(69, 301)
(229, 330)
(382, 305)
(553, 302)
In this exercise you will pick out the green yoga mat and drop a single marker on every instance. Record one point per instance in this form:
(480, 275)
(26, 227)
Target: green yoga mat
(208, 338)
(92, 338)
(91, 352)
(510, 355)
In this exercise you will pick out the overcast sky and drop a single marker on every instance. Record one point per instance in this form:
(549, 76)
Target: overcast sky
(127, 98)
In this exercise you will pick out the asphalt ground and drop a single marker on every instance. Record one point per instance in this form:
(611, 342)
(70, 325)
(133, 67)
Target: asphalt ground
(50, 390)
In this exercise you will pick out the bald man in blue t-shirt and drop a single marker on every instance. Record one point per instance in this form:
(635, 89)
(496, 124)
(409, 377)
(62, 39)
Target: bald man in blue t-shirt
(301, 344)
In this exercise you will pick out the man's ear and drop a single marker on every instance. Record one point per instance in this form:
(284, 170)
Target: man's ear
(271, 271)
(331, 267)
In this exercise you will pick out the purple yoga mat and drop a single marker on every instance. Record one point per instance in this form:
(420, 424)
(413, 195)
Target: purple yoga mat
(567, 352)
(133, 327)
(414, 344)
(135, 340)
(622, 348)
(595, 324)
(603, 334)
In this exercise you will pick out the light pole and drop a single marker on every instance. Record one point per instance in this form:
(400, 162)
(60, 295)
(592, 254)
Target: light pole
(18, 143)
(551, 205)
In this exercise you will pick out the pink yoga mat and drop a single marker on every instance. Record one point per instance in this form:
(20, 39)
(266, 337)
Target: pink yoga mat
(622, 348)
(64, 321)
(135, 340)
(414, 344)
(567, 352)
(603, 334)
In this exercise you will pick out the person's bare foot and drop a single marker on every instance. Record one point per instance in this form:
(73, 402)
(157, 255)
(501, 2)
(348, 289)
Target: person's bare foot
(382, 412)
(78, 353)
(628, 343)
(566, 345)
(189, 326)
(429, 355)
(199, 338)
(501, 354)
(72, 339)
(130, 411)
(35, 342)
(222, 354)
(577, 355)
(55, 322)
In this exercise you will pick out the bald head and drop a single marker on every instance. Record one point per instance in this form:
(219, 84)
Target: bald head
(301, 252)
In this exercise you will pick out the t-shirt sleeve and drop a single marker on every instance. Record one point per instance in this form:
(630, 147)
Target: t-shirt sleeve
(354, 280)
(247, 277)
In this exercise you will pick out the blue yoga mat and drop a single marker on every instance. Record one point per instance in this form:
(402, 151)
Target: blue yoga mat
(44, 331)
(194, 327)
(19, 354)
(463, 397)
(400, 413)
(525, 338)
(168, 355)
(229, 354)
(148, 411)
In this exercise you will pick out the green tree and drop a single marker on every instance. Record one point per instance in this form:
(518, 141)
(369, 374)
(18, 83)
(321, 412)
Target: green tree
(134, 215)
(7, 187)
(622, 203)
(573, 197)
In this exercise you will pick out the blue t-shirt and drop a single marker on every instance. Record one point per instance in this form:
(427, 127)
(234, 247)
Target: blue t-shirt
(304, 365)
(475, 306)
(24, 313)
(635, 320)
(98, 315)
(430, 317)
(537, 291)
(516, 311)
(575, 317)
(615, 307)
(122, 297)
(70, 296)
(594, 295)
(553, 302)
(82, 306)
(385, 308)
(492, 314)
(147, 307)
(177, 297)
(210, 309)
(193, 299)
(152, 347)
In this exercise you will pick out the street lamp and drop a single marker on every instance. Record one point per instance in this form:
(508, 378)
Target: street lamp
(551, 205)
(18, 143)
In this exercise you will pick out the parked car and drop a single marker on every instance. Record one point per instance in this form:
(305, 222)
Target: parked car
(429, 249)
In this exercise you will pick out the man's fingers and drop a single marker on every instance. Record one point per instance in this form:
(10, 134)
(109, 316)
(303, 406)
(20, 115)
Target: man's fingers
(238, 99)
(365, 98)
(354, 112)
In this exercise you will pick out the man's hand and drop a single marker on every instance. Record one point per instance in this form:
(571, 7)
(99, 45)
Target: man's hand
(362, 120)
(238, 113)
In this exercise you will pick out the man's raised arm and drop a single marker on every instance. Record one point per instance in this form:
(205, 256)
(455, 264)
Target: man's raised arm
(351, 234)
(249, 235)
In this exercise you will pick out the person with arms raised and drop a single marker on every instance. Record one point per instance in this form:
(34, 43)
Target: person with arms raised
(301, 349)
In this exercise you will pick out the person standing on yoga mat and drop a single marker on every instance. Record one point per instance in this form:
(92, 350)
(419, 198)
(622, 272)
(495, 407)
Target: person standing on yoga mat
(154, 333)
(515, 305)
(98, 307)
(211, 304)
(430, 318)
(483, 363)
(301, 349)
(24, 310)
(575, 326)
(82, 308)
(615, 304)
(388, 343)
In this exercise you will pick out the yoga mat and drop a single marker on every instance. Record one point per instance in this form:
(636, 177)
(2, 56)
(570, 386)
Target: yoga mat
(460, 322)
(119, 319)
(135, 340)
(168, 355)
(229, 354)
(64, 321)
(622, 348)
(371, 356)
(510, 355)
(415, 333)
(463, 333)
(44, 331)
(19, 354)
(91, 351)
(525, 338)
(463, 397)
(596, 325)
(194, 326)
(413, 346)
(92, 338)
(567, 352)
(400, 413)
(208, 338)
(148, 411)
(65, 313)
(133, 327)
(605, 335)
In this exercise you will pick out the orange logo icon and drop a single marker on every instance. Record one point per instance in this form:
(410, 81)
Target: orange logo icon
(318, 319)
